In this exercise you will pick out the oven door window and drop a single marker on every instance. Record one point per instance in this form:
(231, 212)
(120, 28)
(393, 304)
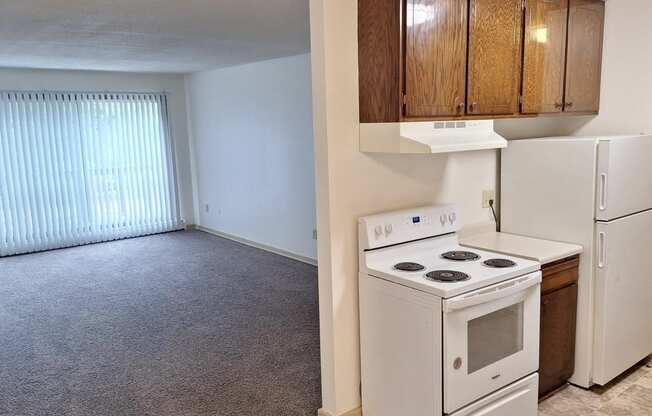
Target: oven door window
(494, 337)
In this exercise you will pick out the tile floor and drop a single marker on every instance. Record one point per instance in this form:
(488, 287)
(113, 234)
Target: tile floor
(629, 395)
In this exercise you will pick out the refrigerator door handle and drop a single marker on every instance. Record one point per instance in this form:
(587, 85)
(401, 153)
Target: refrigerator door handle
(603, 191)
(602, 258)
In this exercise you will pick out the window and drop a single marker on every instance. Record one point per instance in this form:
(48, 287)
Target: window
(495, 336)
(77, 168)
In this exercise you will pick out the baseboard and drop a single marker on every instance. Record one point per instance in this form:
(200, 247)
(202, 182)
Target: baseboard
(354, 412)
(254, 244)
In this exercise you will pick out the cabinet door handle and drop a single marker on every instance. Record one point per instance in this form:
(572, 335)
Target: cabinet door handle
(569, 104)
(474, 106)
(461, 107)
(558, 105)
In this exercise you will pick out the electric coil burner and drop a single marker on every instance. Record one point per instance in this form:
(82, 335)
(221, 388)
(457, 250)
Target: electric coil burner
(447, 276)
(499, 263)
(460, 256)
(409, 267)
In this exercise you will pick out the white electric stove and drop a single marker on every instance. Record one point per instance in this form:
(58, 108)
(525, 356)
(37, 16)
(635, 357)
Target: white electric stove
(444, 329)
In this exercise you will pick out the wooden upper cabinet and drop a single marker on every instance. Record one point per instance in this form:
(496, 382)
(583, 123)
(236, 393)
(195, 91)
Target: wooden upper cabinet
(435, 57)
(494, 56)
(544, 56)
(584, 61)
(464, 59)
(379, 59)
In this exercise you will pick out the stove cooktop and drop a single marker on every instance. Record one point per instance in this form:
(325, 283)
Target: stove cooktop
(441, 267)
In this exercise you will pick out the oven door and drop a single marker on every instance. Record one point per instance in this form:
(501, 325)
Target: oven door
(491, 339)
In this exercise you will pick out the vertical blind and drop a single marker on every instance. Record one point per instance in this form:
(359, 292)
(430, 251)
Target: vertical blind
(78, 168)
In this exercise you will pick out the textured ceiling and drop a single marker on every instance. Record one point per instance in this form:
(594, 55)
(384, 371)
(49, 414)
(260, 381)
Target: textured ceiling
(175, 36)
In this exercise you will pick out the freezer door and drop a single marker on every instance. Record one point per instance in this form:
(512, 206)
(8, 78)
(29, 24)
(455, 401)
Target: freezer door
(623, 296)
(624, 182)
(517, 399)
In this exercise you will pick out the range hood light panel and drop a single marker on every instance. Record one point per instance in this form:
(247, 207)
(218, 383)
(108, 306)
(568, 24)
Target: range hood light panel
(429, 137)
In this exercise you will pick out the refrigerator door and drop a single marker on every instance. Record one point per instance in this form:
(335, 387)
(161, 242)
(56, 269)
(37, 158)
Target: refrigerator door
(548, 191)
(623, 295)
(624, 177)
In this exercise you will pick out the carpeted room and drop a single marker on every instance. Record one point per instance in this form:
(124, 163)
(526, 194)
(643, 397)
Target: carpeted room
(157, 248)
(183, 323)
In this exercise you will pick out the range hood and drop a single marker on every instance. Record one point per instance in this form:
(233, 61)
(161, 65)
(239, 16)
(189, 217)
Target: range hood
(429, 137)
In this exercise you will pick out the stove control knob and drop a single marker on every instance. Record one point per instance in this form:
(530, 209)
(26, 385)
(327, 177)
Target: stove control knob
(443, 219)
(388, 229)
(378, 230)
(452, 217)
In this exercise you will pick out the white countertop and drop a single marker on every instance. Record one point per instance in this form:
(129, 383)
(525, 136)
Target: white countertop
(543, 251)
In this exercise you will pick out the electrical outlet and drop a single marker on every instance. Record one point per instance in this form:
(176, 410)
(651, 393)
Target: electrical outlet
(486, 197)
(314, 234)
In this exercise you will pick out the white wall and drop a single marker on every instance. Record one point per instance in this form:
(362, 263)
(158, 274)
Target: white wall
(351, 184)
(55, 80)
(626, 81)
(626, 107)
(253, 152)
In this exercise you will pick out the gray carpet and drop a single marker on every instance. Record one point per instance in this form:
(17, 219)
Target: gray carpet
(182, 324)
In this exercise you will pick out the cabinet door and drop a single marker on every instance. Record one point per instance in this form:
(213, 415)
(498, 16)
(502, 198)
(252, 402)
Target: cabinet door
(544, 56)
(435, 57)
(557, 350)
(584, 65)
(494, 56)
(379, 60)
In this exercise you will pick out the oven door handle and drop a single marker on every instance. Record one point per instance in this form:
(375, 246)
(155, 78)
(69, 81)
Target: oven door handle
(492, 293)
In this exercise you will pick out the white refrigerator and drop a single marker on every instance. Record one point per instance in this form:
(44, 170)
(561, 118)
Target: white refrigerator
(596, 192)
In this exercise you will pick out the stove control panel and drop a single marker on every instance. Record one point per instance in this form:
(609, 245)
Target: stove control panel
(407, 225)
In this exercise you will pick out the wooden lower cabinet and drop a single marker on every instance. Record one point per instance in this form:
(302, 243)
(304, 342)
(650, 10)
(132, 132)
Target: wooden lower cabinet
(558, 323)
